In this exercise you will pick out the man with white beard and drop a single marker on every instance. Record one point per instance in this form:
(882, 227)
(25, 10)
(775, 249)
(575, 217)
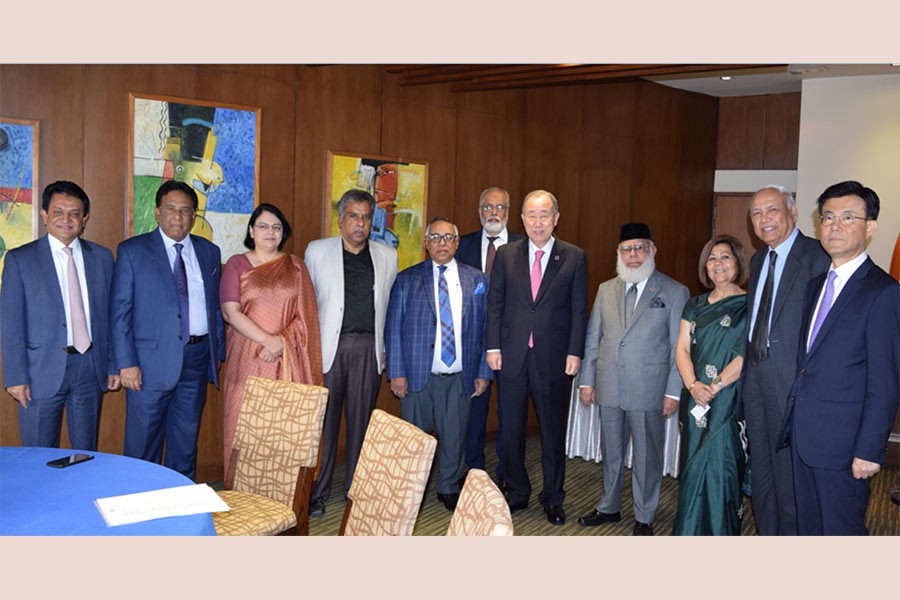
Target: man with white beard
(629, 370)
(477, 249)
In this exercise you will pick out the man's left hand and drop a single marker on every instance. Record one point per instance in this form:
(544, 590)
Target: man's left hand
(573, 363)
(670, 405)
(114, 382)
(863, 469)
(480, 386)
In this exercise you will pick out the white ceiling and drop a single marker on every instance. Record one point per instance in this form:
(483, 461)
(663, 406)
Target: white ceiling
(768, 80)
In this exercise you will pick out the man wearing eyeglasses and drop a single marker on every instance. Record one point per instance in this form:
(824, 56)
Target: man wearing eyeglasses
(434, 339)
(629, 370)
(537, 313)
(778, 276)
(844, 399)
(478, 249)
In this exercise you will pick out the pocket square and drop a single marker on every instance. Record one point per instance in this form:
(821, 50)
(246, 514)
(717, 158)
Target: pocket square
(657, 303)
(479, 289)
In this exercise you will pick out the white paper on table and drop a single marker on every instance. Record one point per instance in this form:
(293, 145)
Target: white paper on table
(698, 411)
(157, 504)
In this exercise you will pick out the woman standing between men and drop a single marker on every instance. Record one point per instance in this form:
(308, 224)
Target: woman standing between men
(709, 356)
(268, 300)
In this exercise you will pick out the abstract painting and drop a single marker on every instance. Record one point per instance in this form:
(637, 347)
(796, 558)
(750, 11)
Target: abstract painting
(212, 147)
(400, 188)
(19, 193)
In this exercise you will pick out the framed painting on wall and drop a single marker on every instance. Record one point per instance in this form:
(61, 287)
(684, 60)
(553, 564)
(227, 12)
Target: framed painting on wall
(212, 147)
(400, 188)
(20, 196)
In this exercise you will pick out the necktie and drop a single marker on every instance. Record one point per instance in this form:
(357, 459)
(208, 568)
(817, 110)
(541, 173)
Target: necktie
(448, 339)
(630, 297)
(824, 307)
(181, 287)
(81, 340)
(491, 253)
(535, 284)
(759, 340)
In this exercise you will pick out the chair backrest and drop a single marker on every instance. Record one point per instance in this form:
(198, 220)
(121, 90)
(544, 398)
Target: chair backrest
(278, 432)
(481, 509)
(390, 477)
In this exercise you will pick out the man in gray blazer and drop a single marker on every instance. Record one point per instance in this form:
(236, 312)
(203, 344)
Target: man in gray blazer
(352, 278)
(771, 359)
(629, 369)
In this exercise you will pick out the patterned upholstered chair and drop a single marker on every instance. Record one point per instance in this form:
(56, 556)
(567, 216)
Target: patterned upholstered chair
(276, 450)
(481, 509)
(390, 478)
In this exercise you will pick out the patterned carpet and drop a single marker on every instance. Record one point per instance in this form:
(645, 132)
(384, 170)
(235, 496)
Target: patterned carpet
(583, 486)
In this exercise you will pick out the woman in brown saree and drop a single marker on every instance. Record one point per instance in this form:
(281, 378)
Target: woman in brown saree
(269, 302)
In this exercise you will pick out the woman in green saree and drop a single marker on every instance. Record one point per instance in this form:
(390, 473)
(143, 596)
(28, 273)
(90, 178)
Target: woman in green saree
(709, 356)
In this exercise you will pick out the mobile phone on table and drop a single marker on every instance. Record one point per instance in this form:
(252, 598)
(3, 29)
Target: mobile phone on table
(67, 461)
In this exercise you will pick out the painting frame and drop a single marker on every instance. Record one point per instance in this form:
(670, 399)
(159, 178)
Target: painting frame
(17, 130)
(394, 182)
(212, 146)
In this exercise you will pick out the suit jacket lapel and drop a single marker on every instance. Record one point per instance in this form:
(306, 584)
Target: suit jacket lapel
(650, 291)
(555, 262)
(520, 264)
(428, 284)
(467, 284)
(789, 278)
(46, 256)
(851, 288)
(158, 249)
(620, 301)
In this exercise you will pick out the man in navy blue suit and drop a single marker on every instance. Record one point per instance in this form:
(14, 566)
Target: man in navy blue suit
(435, 348)
(167, 331)
(843, 402)
(55, 317)
(478, 249)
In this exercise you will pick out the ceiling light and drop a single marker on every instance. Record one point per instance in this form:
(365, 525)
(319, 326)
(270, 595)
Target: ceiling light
(725, 77)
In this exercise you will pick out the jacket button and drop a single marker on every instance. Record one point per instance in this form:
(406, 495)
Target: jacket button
(803, 371)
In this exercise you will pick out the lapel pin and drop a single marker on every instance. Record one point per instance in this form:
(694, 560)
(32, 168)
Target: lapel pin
(556, 257)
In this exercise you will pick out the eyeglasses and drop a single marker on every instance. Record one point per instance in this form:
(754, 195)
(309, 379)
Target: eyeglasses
(486, 208)
(845, 220)
(434, 238)
(277, 228)
(639, 248)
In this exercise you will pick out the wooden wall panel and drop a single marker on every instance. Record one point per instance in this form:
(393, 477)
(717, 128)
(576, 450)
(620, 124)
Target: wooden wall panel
(742, 132)
(782, 131)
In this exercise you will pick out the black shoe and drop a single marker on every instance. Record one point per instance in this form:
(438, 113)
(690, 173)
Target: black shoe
(462, 478)
(501, 483)
(555, 514)
(595, 517)
(317, 508)
(643, 528)
(449, 500)
(517, 506)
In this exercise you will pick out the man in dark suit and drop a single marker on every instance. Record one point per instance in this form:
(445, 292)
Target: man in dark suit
(167, 331)
(773, 340)
(537, 316)
(844, 400)
(478, 249)
(55, 317)
(435, 348)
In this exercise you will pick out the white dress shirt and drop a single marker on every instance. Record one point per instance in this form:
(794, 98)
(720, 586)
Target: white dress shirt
(61, 262)
(451, 274)
(502, 238)
(196, 295)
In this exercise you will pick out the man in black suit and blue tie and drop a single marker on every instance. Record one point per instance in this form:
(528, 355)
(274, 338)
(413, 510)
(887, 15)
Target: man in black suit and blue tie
(167, 331)
(55, 318)
(434, 338)
(478, 249)
(844, 399)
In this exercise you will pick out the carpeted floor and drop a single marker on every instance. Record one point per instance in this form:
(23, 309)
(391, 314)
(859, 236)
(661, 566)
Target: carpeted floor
(583, 486)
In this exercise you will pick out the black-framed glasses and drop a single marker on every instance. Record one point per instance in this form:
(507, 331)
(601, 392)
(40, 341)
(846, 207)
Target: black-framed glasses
(487, 208)
(434, 238)
(845, 220)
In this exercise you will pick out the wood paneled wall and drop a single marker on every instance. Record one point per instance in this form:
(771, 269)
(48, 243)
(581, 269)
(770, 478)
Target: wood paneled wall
(610, 153)
(759, 132)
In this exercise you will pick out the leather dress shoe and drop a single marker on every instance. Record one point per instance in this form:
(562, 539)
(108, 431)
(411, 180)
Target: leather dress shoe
(316, 508)
(555, 514)
(517, 506)
(595, 517)
(449, 500)
(643, 528)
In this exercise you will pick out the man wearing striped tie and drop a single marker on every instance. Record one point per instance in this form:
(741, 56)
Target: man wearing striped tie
(844, 399)
(434, 339)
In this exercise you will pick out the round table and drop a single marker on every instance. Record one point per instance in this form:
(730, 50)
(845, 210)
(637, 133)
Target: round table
(39, 500)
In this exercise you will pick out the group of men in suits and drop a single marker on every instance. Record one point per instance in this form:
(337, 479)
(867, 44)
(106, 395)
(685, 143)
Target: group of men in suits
(75, 325)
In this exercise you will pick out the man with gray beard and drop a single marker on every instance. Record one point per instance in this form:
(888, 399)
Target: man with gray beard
(629, 370)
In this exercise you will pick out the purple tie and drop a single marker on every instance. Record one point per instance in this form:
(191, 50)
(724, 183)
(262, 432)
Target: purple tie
(181, 287)
(81, 340)
(535, 284)
(824, 307)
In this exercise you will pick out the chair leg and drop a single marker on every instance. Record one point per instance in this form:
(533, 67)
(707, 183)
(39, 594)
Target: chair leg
(302, 495)
(346, 516)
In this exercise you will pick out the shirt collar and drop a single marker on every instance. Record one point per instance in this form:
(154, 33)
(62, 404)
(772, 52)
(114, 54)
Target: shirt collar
(56, 245)
(169, 242)
(548, 247)
(846, 270)
(784, 248)
(451, 266)
(503, 235)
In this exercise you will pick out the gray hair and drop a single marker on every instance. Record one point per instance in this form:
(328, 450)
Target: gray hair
(441, 220)
(788, 196)
(355, 196)
(541, 193)
(487, 191)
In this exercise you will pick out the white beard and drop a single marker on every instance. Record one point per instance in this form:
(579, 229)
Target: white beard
(636, 275)
(493, 227)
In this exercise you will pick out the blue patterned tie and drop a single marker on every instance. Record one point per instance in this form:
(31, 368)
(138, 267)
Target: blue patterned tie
(181, 286)
(448, 339)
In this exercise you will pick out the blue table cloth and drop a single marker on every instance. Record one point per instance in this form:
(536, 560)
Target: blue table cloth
(39, 500)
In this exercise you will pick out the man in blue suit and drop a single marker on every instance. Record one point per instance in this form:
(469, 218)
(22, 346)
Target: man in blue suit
(478, 249)
(842, 405)
(435, 348)
(54, 312)
(167, 331)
